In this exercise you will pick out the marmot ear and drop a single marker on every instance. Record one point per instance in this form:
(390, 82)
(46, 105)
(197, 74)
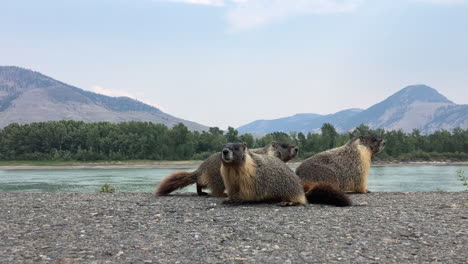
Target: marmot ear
(274, 143)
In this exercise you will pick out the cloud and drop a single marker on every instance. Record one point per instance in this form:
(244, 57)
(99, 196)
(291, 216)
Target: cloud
(249, 14)
(118, 93)
(197, 2)
(443, 2)
(114, 93)
(243, 15)
(246, 14)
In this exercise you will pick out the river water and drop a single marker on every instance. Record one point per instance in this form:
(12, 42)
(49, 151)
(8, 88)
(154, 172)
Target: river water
(381, 179)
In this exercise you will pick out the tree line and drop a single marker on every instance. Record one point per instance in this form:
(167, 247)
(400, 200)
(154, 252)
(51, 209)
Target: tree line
(77, 140)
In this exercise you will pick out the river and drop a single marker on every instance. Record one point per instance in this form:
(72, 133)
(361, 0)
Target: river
(381, 179)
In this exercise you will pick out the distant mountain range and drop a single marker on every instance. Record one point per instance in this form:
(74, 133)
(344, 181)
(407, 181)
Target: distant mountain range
(414, 107)
(27, 96)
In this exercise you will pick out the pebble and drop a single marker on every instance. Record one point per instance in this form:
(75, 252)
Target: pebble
(185, 228)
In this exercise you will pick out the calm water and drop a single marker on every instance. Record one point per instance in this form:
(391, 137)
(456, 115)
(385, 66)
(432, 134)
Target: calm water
(385, 179)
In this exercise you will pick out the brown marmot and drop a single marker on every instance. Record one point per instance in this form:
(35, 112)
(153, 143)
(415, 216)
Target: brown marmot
(283, 151)
(208, 175)
(345, 167)
(250, 177)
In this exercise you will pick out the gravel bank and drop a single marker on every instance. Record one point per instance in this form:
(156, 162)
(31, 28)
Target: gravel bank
(141, 228)
(191, 164)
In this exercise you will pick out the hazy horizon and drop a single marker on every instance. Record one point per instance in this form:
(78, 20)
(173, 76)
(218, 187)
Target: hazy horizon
(229, 62)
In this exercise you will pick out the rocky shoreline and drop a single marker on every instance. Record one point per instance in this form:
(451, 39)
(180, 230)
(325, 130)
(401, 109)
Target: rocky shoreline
(184, 228)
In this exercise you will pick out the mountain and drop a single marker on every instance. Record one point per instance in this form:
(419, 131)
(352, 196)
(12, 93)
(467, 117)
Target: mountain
(298, 123)
(413, 107)
(27, 96)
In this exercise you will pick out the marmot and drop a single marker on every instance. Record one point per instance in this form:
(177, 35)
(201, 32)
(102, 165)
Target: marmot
(250, 177)
(208, 174)
(345, 167)
(283, 151)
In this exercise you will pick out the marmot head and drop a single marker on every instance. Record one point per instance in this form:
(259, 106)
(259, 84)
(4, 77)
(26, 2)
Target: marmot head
(284, 151)
(374, 144)
(234, 153)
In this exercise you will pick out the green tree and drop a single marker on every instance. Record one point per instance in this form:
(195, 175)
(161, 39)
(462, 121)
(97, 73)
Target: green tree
(232, 135)
(248, 139)
(68, 140)
(329, 136)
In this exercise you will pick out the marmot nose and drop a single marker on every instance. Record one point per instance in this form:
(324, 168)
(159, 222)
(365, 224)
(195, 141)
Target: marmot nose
(225, 151)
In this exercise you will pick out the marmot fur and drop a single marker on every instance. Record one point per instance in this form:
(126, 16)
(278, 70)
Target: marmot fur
(250, 177)
(345, 167)
(208, 175)
(283, 151)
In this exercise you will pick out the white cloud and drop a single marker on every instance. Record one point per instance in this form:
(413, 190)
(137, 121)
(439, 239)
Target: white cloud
(114, 93)
(197, 2)
(246, 14)
(118, 93)
(445, 2)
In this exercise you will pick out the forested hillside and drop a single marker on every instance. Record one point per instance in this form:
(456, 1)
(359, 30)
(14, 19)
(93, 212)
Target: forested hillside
(77, 140)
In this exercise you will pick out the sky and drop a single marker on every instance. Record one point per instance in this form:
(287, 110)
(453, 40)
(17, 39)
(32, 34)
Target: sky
(230, 62)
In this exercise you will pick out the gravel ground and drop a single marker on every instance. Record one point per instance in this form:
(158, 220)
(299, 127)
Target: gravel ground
(184, 228)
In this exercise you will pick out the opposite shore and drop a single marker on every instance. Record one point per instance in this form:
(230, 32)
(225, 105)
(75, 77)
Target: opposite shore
(188, 164)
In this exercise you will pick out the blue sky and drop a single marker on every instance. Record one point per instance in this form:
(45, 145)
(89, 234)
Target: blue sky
(229, 62)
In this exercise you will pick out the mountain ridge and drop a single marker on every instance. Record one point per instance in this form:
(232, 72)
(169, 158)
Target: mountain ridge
(23, 90)
(413, 107)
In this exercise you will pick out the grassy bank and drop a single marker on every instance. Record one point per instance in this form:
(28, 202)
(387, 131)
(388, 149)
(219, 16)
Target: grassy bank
(186, 164)
(131, 164)
(74, 162)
